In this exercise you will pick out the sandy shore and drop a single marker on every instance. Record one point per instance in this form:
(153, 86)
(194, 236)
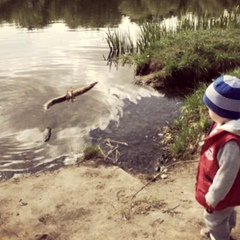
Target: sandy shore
(92, 203)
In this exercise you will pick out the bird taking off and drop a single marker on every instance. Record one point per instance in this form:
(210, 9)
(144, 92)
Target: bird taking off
(70, 95)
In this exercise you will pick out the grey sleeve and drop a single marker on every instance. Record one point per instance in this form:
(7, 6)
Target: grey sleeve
(229, 163)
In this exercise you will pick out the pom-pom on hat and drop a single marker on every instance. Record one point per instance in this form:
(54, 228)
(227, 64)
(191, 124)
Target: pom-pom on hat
(223, 97)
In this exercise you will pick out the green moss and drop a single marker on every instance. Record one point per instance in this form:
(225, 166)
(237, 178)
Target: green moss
(92, 152)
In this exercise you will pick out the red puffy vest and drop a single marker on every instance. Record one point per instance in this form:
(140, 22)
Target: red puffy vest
(208, 167)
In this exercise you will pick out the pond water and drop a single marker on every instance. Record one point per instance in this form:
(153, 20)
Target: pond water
(48, 47)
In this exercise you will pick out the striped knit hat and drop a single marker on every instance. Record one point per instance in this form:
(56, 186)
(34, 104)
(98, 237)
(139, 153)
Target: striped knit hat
(223, 97)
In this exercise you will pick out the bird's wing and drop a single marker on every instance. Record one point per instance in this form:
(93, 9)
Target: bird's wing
(54, 101)
(63, 98)
(84, 89)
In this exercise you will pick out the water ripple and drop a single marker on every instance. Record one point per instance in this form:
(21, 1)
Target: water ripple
(39, 65)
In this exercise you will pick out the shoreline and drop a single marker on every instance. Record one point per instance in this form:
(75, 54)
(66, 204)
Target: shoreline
(87, 202)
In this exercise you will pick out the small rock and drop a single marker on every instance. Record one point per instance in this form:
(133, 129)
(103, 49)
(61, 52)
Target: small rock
(41, 236)
(47, 134)
(157, 169)
(165, 170)
(164, 176)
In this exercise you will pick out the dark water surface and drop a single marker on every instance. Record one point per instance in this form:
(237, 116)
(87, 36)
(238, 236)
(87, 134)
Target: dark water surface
(48, 47)
(137, 135)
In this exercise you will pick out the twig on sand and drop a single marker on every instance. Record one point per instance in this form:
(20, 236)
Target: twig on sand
(156, 176)
(181, 162)
(152, 180)
(171, 209)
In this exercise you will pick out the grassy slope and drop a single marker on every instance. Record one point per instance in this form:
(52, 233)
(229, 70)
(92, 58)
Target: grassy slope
(190, 57)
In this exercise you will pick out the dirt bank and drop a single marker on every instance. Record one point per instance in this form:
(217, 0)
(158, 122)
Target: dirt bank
(90, 203)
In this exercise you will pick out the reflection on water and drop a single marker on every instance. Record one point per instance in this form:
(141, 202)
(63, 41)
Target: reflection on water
(136, 137)
(33, 14)
(50, 46)
(39, 65)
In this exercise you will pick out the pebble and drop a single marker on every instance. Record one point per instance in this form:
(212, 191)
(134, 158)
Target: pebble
(163, 169)
(164, 176)
(47, 134)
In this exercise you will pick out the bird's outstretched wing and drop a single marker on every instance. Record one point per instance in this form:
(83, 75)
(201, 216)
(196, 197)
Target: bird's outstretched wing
(84, 89)
(54, 101)
(63, 98)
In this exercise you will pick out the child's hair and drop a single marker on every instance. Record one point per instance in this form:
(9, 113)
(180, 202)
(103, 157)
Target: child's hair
(223, 97)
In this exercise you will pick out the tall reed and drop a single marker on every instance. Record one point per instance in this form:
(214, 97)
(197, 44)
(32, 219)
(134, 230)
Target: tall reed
(151, 32)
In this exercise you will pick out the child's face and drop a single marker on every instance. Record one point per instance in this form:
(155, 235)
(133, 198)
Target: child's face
(216, 118)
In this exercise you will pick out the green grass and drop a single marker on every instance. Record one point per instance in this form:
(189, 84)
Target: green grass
(92, 152)
(191, 56)
(194, 52)
(235, 72)
(192, 124)
(152, 32)
(119, 43)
